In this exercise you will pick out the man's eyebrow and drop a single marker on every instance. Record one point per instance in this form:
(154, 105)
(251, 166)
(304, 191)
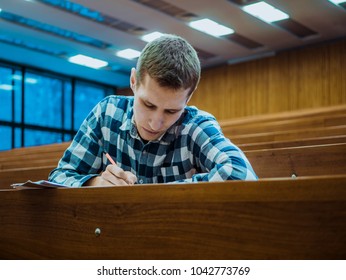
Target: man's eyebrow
(173, 110)
(148, 102)
(151, 104)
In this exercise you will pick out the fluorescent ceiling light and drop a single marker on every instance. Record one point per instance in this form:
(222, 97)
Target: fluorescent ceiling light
(151, 36)
(17, 77)
(128, 53)
(31, 81)
(88, 61)
(6, 87)
(211, 27)
(265, 12)
(337, 1)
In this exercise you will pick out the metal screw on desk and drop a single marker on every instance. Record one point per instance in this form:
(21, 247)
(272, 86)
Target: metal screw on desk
(294, 176)
(97, 232)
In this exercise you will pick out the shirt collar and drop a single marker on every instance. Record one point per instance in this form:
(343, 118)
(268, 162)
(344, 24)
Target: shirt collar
(127, 121)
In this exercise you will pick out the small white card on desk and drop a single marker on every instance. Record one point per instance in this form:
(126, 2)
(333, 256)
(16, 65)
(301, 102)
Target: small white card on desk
(42, 184)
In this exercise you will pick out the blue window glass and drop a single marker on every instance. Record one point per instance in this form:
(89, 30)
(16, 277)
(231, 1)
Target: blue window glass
(6, 89)
(43, 101)
(5, 138)
(47, 103)
(67, 137)
(17, 77)
(37, 137)
(17, 137)
(86, 97)
(67, 105)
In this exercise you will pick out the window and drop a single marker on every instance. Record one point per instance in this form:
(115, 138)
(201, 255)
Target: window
(17, 138)
(38, 137)
(43, 101)
(6, 138)
(37, 108)
(6, 91)
(85, 99)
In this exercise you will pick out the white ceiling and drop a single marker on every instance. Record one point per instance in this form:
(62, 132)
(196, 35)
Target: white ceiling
(326, 19)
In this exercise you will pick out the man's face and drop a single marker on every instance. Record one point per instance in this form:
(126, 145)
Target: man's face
(156, 108)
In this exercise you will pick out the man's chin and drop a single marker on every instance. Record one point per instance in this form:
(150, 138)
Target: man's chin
(148, 136)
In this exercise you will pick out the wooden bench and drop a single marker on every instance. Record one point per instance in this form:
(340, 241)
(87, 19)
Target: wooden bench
(50, 155)
(33, 150)
(284, 135)
(21, 175)
(329, 159)
(293, 143)
(32, 156)
(277, 125)
(278, 153)
(273, 218)
(285, 116)
(269, 219)
(31, 162)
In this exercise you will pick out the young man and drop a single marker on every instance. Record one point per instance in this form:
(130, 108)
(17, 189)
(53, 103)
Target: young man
(153, 137)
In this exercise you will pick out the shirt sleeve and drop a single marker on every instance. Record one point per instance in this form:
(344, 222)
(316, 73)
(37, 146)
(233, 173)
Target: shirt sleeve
(216, 156)
(83, 158)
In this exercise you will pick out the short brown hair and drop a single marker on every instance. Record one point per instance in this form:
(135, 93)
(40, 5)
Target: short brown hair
(171, 61)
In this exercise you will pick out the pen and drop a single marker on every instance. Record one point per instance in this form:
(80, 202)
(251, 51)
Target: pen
(110, 159)
(113, 162)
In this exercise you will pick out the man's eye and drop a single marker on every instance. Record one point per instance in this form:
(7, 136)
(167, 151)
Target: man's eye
(149, 106)
(171, 112)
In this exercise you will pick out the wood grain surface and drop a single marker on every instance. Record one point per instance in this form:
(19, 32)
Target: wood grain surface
(269, 219)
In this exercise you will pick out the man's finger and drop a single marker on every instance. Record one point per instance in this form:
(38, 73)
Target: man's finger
(131, 178)
(117, 171)
(110, 177)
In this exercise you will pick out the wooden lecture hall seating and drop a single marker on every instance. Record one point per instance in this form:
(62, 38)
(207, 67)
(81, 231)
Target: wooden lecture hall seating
(297, 209)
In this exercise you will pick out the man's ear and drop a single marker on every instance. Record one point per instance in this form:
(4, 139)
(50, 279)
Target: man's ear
(133, 79)
(189, 97)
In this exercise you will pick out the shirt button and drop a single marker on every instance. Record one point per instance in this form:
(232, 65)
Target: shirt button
(141, 181)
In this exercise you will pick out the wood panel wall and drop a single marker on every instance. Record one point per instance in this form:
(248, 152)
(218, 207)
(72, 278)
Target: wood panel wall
(309, 77)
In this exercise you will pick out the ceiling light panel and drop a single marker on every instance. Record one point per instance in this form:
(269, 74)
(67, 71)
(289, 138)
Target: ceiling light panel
(272, 15)
(151, 36)
(128, 53)
(88, 61)
(265, 12)
(337, 2)
(211, 27)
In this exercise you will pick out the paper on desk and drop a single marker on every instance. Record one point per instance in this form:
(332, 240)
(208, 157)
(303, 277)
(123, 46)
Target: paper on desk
(43, 184)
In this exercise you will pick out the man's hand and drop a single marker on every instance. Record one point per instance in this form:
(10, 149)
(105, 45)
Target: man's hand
(113, 175)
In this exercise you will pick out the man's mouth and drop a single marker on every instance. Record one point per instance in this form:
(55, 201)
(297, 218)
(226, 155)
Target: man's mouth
(150, 131)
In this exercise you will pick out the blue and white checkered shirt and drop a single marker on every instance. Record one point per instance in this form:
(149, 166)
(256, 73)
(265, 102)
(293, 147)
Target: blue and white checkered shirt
(192, 150)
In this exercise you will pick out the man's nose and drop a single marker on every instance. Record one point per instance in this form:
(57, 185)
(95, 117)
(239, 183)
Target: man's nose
(156, 122)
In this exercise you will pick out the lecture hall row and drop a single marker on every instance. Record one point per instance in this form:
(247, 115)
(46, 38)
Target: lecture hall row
(289, 122)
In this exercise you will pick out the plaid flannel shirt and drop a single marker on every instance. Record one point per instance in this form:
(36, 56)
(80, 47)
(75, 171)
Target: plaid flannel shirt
(192, 150)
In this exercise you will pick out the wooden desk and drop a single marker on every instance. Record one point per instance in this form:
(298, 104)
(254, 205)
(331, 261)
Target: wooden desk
(269, 219)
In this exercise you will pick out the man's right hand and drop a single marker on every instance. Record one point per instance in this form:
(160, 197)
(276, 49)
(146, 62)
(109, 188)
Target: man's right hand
(113, 175)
